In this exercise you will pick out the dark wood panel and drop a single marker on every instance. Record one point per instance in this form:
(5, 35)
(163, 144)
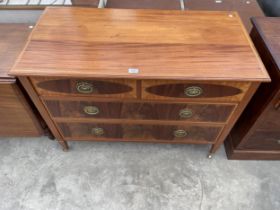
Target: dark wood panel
(171, 133)
(268, 31)
(144, 4)
(271, 120)
(249, 154)
(86, 87)
(263, 140)
(148, 111)
(17, 117)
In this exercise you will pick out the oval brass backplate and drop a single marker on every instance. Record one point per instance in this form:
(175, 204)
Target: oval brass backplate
(84, 87)
(97, 131)
(185, 113)
(193, 91)
(180, 133)
(91, 110)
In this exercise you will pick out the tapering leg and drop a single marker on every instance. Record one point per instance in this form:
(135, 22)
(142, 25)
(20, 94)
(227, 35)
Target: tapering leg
(64, 145)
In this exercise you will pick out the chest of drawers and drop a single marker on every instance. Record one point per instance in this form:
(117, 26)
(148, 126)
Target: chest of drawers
(256, 135)
(136, 75)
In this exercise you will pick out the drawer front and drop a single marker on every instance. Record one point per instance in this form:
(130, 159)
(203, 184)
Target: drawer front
(182, 90)
(264, 140)
(177, 133)
(146, 111)
(119, 88)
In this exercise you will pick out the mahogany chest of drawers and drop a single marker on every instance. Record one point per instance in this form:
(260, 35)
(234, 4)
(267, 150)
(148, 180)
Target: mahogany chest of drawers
(17, 117)
(257, 133)
(140, 75)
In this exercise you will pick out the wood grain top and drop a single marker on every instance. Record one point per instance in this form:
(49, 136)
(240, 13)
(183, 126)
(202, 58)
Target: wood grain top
(162, 44)
(12, 40)
(269, 30)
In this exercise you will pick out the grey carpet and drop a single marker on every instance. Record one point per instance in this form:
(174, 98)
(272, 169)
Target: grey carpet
(36, 175)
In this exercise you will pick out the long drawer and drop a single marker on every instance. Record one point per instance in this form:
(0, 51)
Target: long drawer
(170, 133)
(139, 110)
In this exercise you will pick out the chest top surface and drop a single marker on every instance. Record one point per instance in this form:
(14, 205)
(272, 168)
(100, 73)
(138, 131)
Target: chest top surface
(161, 44)
(12, 40)
(269, 30)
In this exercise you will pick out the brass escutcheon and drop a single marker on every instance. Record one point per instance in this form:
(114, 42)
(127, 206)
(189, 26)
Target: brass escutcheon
(185, 113)
(97, 131)
(91, 110)
(193, 91)
(180, 133)
(84, 87)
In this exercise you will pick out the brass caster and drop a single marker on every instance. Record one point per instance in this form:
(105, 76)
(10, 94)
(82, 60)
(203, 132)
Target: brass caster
(209, 156)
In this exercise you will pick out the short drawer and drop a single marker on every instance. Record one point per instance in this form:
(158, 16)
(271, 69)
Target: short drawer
(176, 133)
(146, 111)
(119, 88)
(264, 140)
(184, 90)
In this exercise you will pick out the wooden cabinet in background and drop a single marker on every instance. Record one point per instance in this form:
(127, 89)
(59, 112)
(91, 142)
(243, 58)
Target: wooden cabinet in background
(257, 133)
(144, 4)
(17, 115)
(245, 8)
(89, 3)
(127, 83)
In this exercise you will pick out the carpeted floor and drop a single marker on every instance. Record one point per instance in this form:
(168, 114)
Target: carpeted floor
(35, 174)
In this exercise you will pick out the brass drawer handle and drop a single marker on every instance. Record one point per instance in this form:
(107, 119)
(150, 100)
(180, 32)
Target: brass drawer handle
(185, 113)
(180, 133)
(97, 131)
(91, 110)
(193, 91)
(84, 87)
